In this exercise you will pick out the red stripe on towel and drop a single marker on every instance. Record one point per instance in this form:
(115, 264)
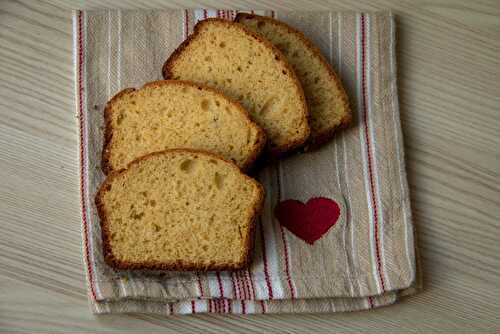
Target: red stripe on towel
(243, 307)
(200, 286)
(368, 148)
(83, 191)
(264, 258)
(221, 288)
(249, 274)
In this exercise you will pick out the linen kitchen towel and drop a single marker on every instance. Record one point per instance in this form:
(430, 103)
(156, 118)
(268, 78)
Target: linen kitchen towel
(357, 181)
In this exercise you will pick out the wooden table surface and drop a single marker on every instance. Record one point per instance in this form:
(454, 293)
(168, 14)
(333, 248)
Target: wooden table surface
(449, 84)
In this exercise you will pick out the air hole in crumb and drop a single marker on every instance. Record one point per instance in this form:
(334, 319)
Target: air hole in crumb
(187, 165)
(222, 44)
(284, 72)
(184, 89)
(152, 203)
(108, 187)
(316, 80)
(261, 24)
(204, 247)
(156, 228)
(137, 137)
(213, 161)
(132, 102)
(295, 54)
(204, 105)
(276, 57)
(229, 80)
(120, 119)
(144, 193)
(217, 103)
(239, 68)
(136, 216)
(208, 58)
(219, 180)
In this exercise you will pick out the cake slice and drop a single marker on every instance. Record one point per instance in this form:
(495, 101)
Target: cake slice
(327, 101)
(176, 114)
(178, 210)
(246, 67)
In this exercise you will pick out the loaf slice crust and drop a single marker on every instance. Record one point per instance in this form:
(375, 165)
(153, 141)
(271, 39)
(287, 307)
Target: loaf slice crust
(326, 98)
(179, 210)
(177, 114)
(250, 69)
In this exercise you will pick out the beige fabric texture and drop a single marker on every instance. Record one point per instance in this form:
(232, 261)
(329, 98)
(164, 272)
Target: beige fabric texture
(366, 260)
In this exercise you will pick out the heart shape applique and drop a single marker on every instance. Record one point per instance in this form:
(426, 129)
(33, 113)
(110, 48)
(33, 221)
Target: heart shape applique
(308, 221)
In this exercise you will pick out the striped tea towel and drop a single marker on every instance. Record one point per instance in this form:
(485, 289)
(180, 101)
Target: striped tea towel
(367, 260)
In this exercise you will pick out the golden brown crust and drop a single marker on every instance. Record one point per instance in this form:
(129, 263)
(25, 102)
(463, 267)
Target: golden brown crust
(316, 139)
(112, 261)
(108, 130)
(273, 153)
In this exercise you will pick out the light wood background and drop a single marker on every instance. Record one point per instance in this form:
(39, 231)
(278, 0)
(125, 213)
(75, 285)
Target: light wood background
(449, 81)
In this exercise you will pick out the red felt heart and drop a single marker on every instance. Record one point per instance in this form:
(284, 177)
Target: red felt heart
(308, 221)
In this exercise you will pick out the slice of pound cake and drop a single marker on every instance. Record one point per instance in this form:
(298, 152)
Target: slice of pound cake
(248, 68)
(176, 114)
(326, 98)
(178, 210)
